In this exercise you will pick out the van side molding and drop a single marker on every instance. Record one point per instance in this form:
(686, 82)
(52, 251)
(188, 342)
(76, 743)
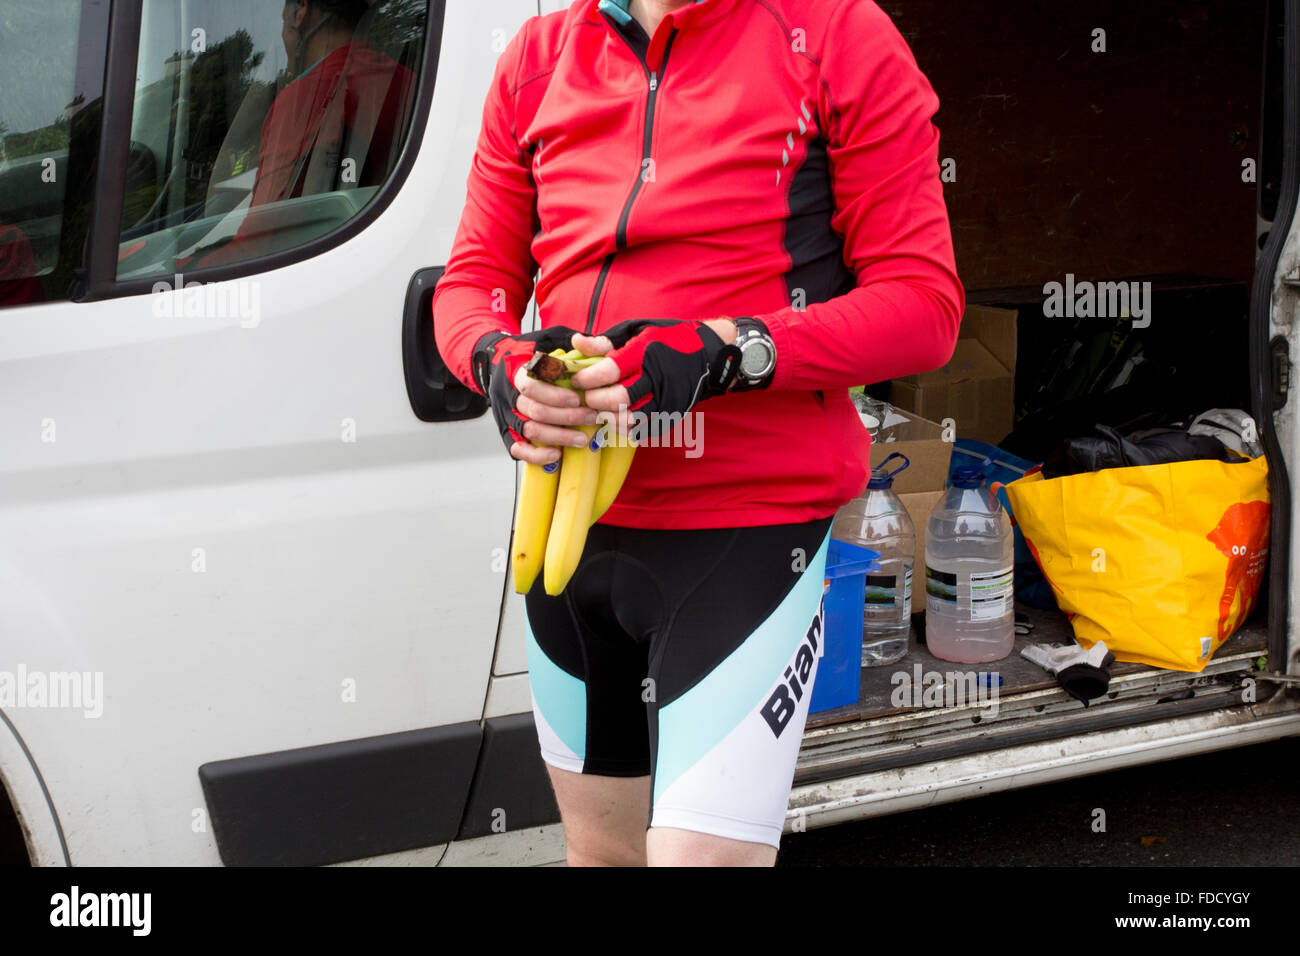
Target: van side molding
(342, 801)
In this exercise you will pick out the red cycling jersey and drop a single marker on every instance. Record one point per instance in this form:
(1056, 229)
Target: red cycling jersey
(765, 158)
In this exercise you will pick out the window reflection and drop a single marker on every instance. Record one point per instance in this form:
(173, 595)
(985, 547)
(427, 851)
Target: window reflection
(261, 126)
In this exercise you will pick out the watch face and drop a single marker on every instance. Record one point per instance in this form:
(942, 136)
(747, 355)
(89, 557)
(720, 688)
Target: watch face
(755, 359)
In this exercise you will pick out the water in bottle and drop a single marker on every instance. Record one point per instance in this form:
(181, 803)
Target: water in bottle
(969, 596)
(879, 521)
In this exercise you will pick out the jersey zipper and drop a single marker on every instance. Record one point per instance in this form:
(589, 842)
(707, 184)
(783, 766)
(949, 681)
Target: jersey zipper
(653, 78)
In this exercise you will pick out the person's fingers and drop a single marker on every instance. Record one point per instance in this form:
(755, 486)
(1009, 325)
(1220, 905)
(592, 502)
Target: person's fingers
(605, 372)
(536, 454)
(542, 412)
(608, 399)
(540, 434)
(592, 344)
(544, 392)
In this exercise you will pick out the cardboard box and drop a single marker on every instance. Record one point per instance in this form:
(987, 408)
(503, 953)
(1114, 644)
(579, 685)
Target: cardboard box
(922, 442)
(919, 505)
(976, 389)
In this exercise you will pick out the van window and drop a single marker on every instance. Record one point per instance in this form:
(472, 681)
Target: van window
(51, 75)
(261, 125)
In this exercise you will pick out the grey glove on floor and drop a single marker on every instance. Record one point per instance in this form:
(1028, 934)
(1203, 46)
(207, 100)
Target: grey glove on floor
(1083, 674)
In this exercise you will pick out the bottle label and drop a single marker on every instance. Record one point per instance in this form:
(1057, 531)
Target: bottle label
(882, 589)
(989, 595)
(992, 595)
(940, 586)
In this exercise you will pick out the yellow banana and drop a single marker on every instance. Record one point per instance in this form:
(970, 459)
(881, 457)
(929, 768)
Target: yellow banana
(533, 509)
(579, 472)
(615, 461)
(554, 503)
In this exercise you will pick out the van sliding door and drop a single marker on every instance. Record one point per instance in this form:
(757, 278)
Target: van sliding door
(1275, 304)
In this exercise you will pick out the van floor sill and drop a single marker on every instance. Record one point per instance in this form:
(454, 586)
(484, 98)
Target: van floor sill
(874, 734)
(930, 753)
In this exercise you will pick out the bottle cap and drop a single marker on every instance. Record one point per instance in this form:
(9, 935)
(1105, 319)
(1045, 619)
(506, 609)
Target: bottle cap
(967, 476)
(885, 479)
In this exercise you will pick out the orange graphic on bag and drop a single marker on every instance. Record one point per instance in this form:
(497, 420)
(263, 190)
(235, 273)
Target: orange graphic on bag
(1241, 535)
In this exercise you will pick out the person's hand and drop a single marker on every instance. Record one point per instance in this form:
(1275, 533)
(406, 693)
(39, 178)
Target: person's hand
(530, 414)
(656, 365)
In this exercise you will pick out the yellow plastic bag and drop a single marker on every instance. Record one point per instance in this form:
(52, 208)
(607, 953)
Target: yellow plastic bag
(1162, 562)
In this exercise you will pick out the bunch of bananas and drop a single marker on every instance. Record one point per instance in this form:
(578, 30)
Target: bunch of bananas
(558, 502)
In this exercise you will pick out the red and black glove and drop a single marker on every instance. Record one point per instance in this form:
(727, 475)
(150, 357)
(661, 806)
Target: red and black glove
(498, 357)
(669, 365)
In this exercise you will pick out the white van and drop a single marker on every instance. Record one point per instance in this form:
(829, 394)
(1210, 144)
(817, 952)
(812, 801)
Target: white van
(255, 605)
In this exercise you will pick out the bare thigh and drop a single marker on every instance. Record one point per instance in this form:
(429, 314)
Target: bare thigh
(604, 817)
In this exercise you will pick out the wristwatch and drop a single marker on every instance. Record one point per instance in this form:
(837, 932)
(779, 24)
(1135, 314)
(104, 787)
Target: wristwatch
(757, 355)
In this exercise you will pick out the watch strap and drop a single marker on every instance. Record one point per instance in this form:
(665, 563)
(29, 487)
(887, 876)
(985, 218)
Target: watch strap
(724, 368)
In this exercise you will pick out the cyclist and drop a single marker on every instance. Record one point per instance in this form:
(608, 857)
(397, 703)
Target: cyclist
(738, 204)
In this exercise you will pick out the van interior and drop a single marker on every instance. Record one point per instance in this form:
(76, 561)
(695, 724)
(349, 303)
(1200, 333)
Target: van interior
(1109, 142)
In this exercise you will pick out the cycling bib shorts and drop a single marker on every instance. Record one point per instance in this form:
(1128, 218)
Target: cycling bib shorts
(690, 656)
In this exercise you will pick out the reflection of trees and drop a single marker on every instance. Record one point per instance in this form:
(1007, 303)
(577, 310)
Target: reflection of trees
(221, 89)
(398, 30)
(39, 142)
(221, 78)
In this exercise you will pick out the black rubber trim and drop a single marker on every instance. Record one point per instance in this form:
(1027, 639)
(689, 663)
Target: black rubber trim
(511, 788)
(924, 753)
(119, 97)
(105, 231)
(1261, 365)
(436, 395)
(342, 801)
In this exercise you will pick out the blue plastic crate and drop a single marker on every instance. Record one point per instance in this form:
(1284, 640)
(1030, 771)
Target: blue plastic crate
(839, 675)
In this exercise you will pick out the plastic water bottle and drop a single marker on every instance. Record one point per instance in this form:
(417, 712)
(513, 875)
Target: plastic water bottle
(969, 595)
(879, 521)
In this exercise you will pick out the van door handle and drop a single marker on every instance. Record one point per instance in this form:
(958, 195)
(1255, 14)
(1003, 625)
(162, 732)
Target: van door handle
(436, 395)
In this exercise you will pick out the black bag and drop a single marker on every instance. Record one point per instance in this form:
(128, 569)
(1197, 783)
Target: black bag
(1153, 446)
